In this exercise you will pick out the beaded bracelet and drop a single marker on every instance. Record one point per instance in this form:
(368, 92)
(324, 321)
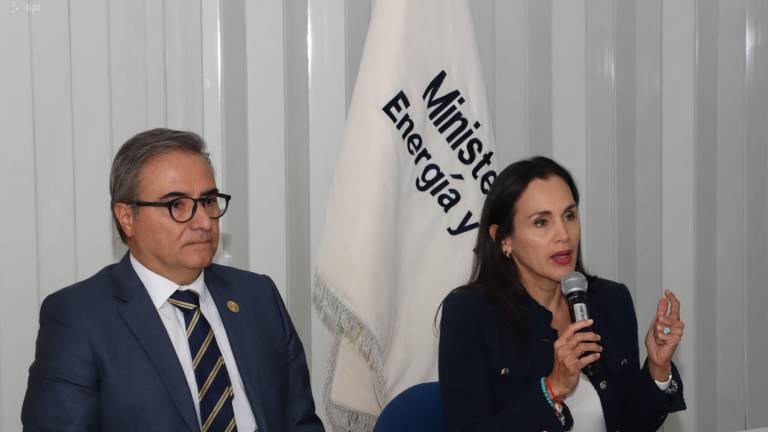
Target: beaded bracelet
(544, 390)
(551, 392)
(556, 406)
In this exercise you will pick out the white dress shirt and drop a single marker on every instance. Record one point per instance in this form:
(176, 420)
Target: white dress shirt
(160, 290)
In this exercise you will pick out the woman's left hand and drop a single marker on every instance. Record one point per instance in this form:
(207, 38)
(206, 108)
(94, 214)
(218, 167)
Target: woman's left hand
(664, 336)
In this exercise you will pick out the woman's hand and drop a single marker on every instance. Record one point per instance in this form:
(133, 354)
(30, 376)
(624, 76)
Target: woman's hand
(664, 336)
(569, 347)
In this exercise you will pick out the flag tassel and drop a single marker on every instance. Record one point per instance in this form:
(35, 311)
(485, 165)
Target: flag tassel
(345, 323)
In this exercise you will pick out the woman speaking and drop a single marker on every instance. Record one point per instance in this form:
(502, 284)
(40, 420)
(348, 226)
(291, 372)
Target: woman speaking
(511, 359)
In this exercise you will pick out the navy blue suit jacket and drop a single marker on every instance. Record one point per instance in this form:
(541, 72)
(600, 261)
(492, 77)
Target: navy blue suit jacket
(490, 371)
(104, 361)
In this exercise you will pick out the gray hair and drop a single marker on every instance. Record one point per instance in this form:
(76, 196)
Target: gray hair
(124, 178)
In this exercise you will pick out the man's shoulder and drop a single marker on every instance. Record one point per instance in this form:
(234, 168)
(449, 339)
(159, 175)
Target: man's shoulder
(230, 271)
(227, 272)
(86, 291)
(254, 290)
(239, 278)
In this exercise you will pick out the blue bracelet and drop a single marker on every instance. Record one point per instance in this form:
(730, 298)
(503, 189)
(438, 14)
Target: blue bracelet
(546, 392)
(556, 406)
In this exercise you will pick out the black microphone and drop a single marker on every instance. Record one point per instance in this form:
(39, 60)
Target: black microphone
(574, 287)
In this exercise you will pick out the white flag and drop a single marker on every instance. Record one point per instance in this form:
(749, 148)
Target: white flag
(402, 215)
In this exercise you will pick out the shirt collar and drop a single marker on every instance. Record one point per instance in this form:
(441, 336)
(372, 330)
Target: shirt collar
(161, 288)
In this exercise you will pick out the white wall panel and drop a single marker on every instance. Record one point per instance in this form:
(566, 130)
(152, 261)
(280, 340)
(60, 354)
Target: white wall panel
(569, 93)
(92, 152)
(625, 82)
(184, 64)
(233, 66)
(266, 140)
(600, 190)
(539, 76)
(206, 27)
(327, 111)
(53, 147)
(731, 216)
(155, 46)
(756, 296)
(297, 162)
(127, 69)
(677, 172)
(648, 162)
(483, 12)
(18, 255)
(510, 78)
(706, 398)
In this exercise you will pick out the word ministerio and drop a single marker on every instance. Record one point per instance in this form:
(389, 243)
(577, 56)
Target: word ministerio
(458, 132)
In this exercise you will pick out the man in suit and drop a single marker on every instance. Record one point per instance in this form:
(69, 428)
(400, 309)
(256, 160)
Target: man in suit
(164, 340)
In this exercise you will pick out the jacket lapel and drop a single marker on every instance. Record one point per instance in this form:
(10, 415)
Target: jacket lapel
(241, 332)
(140, 315)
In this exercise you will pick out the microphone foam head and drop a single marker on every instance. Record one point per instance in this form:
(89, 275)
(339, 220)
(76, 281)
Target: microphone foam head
(572, 282)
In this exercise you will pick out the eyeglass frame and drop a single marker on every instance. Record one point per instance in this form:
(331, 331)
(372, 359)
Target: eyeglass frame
(169, 204)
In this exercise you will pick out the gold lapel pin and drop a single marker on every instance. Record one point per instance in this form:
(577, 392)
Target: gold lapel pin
(233, 306)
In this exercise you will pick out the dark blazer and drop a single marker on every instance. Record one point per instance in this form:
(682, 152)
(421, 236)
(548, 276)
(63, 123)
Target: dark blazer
(104, 361)
(490, 371)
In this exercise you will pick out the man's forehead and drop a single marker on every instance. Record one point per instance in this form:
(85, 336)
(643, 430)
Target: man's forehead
(177, 172)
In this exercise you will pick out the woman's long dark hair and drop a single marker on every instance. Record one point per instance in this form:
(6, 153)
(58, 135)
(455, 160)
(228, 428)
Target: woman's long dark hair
(492, 271)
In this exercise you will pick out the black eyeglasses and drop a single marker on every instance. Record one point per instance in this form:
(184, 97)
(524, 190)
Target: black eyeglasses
(183, 209)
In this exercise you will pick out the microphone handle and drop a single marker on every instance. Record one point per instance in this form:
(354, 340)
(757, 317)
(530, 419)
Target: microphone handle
(591, 368)
(578, 310)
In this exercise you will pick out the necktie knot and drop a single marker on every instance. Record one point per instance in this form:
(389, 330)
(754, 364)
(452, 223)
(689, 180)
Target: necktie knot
(186, 300)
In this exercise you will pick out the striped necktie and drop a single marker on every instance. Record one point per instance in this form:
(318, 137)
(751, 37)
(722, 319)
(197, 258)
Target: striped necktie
(214, 388)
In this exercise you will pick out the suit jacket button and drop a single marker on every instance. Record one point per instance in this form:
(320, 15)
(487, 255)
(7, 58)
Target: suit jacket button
(504, 371)
(603, 385)
(623, 363)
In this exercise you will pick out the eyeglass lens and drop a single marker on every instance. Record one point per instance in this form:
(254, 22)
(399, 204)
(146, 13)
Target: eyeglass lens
(182, 208)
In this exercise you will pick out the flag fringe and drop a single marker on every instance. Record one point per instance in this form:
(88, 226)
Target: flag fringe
(343, 418)
(340, 318)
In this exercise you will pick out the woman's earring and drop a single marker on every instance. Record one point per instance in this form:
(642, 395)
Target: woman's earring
(507, 251)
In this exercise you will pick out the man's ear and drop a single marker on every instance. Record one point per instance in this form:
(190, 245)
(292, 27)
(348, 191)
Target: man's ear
(125, 217)
(492, 230)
